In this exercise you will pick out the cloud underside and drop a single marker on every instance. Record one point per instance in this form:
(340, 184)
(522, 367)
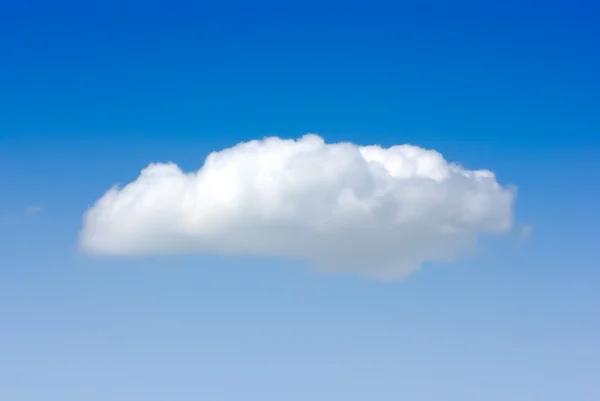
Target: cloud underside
(381, 212)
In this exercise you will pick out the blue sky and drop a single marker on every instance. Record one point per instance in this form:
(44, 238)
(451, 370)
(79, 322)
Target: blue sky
(92, 93)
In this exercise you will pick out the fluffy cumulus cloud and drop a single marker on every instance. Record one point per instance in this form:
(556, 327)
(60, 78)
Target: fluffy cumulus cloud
(381, 212)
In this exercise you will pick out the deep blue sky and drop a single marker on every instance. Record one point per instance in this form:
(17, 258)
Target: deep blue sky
(91, 93)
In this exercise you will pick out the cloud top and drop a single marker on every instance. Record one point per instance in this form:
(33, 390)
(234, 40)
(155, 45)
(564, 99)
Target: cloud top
(382, 212)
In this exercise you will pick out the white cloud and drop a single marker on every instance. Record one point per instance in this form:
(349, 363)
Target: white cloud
(381, 212)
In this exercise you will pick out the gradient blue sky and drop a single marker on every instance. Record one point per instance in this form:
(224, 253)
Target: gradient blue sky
(91, 92)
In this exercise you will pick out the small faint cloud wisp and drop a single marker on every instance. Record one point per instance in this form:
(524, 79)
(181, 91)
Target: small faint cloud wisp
(33, 210)
(15, 217)
(525, 233)
(380, 212)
